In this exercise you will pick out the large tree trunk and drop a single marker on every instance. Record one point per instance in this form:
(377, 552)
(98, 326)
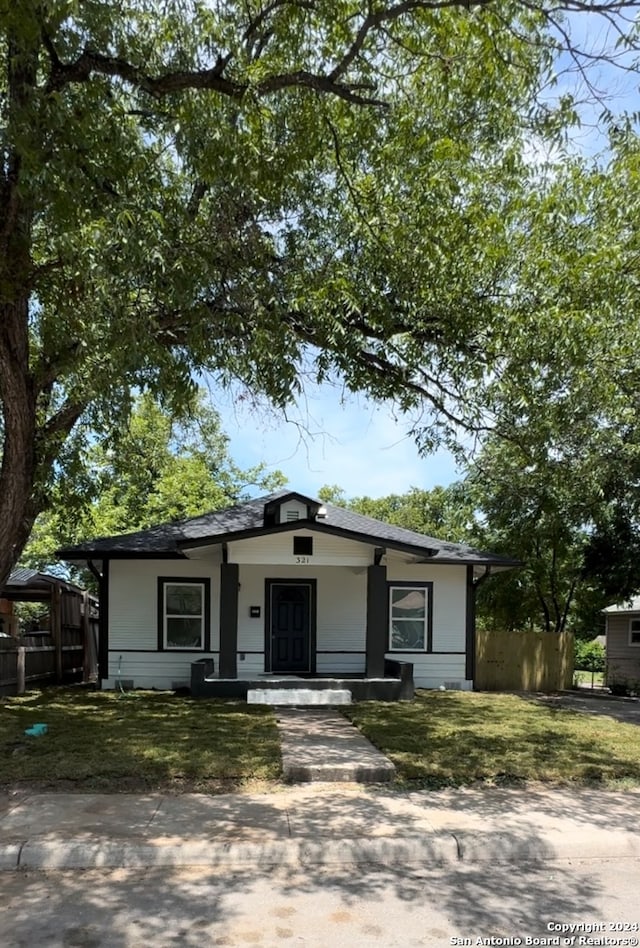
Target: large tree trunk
(18, 469)
(18, 389)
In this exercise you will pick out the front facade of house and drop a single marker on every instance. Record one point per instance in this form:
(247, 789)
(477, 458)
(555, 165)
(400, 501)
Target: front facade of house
(285, 586)
(623, 642)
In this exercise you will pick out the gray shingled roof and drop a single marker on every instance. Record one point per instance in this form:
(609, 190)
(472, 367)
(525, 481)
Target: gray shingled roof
(631, 605)
(247, 519)
(22, 576)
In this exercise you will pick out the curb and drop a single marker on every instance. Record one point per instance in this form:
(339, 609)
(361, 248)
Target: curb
(479, 847)
(436, 849)
(383, 772)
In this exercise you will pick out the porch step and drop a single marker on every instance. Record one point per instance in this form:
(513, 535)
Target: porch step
(299, 696)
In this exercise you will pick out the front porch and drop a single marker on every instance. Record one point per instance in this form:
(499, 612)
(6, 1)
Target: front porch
(396, 685)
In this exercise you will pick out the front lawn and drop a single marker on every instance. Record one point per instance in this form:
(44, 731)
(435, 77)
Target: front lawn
(103, 741)
(454, 738)
(142, 740)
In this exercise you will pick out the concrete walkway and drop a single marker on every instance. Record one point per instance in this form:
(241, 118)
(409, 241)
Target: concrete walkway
(323, 745)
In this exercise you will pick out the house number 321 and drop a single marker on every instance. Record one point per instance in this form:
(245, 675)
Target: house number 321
(302, 560)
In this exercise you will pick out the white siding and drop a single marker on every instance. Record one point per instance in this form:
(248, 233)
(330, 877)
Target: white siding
(449, 623)
(277, 549)
(341, 663)
(341, 610)
(250, 665)
(341, 613)
(623, 660)
(432, 671)
(153, 669)
(133, 621)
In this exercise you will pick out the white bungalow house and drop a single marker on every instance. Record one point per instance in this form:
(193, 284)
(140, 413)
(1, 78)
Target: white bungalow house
(285, 586)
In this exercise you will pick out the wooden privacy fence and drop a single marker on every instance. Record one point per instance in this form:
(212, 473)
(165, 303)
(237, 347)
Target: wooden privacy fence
(66, 652)
(523, 661)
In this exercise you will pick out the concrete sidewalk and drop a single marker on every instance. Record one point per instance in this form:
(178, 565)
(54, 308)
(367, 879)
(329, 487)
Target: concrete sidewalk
(317, 824)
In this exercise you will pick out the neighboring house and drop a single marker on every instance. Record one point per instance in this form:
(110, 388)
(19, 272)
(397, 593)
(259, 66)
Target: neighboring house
(623, 642)
(284, 585)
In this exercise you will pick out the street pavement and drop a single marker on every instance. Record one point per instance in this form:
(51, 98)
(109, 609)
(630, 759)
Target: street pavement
(364, 906)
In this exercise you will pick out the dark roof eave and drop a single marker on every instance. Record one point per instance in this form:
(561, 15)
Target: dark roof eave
(77, 555)
(433, 555)
(294, 525)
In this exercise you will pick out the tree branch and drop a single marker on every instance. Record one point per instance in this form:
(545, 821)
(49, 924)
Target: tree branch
(57, 427)
(332, 82)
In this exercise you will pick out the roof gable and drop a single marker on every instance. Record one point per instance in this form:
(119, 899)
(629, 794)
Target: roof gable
(277, 509)
(248, 519)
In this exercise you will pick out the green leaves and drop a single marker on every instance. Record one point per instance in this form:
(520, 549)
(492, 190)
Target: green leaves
(156, 469)
(272, 191)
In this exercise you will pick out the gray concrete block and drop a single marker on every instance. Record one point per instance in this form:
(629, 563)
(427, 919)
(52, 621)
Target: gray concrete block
(9, 855)
(72, 854)
(299, 696)
(351, 772)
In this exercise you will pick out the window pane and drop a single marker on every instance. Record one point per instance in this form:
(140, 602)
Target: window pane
(183, 600)
(407, 634)
(408, 603)
(184, 633)
(635, 625)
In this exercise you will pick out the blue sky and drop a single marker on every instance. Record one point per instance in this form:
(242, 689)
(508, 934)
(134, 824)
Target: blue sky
(332, 438)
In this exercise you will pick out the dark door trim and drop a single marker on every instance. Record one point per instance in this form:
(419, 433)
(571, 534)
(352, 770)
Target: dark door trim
(313, 599)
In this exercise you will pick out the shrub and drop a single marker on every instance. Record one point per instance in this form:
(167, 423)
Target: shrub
(588, 656)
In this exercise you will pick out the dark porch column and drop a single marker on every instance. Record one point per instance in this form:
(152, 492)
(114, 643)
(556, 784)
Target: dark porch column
(470, 664)
(228, 620)
(103, 622)
(377, 620)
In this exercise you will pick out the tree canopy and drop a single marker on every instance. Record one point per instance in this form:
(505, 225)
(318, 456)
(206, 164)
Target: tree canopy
(155, 470)
(260, 191)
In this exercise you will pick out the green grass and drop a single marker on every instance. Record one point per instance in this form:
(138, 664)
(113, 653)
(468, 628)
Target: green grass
(457, 738)
(102, 741)
(584, 677)
(105, 741)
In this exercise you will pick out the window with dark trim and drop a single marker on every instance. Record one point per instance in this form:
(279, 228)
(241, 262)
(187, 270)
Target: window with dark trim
(634, 632)
(184, 614)
(410, 617)
(303, 546)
